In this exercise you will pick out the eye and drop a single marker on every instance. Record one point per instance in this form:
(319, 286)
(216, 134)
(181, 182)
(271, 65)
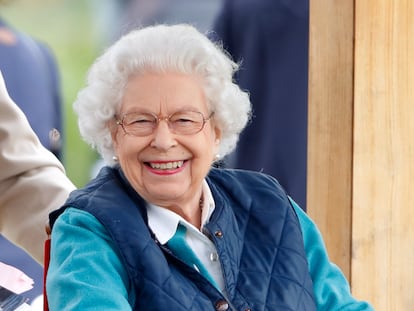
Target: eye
(139, 119)
(183, 118)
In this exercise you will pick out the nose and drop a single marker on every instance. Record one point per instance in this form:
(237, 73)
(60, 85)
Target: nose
(163, 138)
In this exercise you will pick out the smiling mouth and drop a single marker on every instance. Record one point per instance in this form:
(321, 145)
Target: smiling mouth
(166, 165)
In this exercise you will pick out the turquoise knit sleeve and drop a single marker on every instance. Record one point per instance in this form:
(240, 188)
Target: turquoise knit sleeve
(331, 288)
(85, 272)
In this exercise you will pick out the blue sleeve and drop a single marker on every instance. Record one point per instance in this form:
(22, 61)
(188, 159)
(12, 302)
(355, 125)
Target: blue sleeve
(331, 288)
(85, 271)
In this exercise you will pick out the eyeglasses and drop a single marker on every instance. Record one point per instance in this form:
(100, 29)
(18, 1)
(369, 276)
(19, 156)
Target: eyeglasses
(180, 122)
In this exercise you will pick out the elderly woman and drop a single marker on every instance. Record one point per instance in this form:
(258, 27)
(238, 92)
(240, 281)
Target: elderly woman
(159, 228)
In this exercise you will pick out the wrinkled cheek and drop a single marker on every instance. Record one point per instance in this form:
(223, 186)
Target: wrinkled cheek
(134, 173)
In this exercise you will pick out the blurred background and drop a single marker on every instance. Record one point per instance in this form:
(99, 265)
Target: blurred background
(68, 28)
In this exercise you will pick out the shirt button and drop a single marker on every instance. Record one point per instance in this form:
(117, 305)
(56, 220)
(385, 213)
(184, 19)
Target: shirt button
(213, 257)
(218, 234)
(222, 305)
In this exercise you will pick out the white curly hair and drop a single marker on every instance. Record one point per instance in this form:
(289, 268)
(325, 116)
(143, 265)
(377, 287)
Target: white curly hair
(161, 48)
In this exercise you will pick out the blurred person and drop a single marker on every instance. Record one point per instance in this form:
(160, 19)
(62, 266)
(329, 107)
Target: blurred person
(32, 79)
(32, 181)
(159, 228)
(270, 39)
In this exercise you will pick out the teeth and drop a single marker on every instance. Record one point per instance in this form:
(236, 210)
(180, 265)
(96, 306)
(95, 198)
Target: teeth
(167, 165)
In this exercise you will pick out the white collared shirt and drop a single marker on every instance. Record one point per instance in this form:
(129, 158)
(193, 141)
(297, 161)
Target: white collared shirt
(164, 222)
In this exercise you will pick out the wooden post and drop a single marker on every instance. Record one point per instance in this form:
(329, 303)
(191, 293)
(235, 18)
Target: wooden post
(361, 143)
(330, 125)
(383, 183)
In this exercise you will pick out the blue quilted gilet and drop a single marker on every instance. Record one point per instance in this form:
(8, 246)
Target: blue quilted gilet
(255, 230)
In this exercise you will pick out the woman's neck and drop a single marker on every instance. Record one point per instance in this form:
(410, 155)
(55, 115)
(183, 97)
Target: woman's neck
(191, 212)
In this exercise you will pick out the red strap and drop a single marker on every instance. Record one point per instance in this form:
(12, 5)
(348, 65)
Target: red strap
(46, 267)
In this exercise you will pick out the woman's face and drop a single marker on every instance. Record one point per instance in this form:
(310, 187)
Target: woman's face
(166, 167)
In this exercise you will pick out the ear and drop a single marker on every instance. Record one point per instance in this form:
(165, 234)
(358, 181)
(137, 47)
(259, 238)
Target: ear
(217, 135)
(113, 129)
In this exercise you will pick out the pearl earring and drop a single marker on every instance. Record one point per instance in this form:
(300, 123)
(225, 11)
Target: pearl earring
(217, 157)
(115, 158)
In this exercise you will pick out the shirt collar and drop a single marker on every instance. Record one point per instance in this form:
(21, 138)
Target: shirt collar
(163, 222)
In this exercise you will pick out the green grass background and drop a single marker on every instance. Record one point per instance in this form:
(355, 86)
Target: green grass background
(67, 27)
